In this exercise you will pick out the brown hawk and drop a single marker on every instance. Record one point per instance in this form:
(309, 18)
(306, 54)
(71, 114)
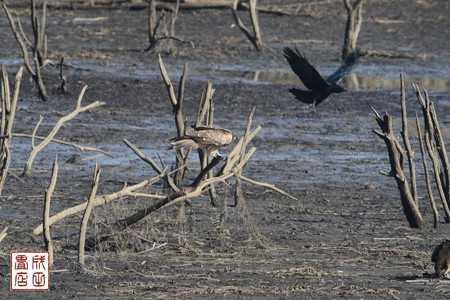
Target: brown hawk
(207, 138)
(441, 259)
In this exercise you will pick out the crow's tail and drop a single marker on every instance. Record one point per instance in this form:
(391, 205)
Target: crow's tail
(307, 97)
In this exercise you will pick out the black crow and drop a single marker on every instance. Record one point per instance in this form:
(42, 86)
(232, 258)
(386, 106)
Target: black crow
(320, 88)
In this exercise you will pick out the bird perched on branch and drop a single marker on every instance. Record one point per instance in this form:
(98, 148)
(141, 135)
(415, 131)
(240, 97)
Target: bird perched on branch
(320, 88)
(207, 138)
(441, 259)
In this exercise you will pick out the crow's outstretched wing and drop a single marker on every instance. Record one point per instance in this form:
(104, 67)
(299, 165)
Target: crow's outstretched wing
(345, 69)
(304, 70)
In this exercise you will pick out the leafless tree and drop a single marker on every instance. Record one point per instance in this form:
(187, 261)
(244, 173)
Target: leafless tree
(353, 27)
(431, 142)
(255, 37)
(38, 46)
(158, 29)
(8, 104)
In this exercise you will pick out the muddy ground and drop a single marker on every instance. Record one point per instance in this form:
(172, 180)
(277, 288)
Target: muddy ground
(346, 236)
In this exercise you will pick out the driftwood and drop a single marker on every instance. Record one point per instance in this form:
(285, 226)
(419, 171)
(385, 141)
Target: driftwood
(233, 165)
(8, 113)
(154, 166)
(192, 191)
(391, 54)
(127, 191)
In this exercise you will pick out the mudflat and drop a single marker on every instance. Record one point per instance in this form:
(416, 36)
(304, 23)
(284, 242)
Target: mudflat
(344, 237)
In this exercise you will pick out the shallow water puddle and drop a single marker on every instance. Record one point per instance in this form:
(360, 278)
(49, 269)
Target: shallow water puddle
(365, 77)
(355, 81)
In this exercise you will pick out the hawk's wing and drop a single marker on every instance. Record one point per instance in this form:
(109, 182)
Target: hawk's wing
(304, 70)
(210, 136)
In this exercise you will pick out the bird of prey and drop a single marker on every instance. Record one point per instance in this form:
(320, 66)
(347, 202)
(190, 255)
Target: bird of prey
(441, 259)
(319, 88)
(207, 138)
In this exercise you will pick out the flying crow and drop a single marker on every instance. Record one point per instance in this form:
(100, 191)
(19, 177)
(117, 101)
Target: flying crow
(320, 88)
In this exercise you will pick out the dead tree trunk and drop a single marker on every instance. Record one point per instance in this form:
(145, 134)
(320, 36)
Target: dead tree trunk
(436, 150)
(205, 117)
(406, 142)
(152, 24)
(254, 38)
(430, 141)
(177, 109)
(427, 175)
(396, 158)
(39, 47)
(158, 30)
(8, 113)
(353, 27)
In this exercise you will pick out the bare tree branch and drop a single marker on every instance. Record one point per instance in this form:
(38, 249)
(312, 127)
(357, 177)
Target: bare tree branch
(410, 208)
(78, 109)
(62, 142)
(127, 191)
(3, 233)
(46, 216)
(189, 193)
(8, 113)
(86, 215)
(406, 142)
(427, 176)
(38, 48)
